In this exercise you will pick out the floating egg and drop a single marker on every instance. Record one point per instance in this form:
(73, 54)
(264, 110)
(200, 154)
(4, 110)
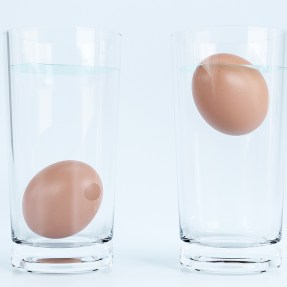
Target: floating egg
(230, 94)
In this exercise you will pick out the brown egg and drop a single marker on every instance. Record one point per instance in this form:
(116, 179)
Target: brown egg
(62, 199)
(229, 94)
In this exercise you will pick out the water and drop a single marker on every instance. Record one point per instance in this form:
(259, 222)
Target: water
(230, 185)
(262, 69)
(62, 112)
(53, 69)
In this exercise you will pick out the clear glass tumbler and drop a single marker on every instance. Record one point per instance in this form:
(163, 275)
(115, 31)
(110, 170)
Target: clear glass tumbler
(63, 89)
(229, 108)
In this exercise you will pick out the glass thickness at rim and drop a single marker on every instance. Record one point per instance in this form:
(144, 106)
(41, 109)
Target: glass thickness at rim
(227, 27)
(54, 29)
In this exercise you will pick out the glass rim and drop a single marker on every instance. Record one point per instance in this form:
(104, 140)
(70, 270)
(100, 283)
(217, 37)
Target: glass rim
(102, 31)
(206, 28)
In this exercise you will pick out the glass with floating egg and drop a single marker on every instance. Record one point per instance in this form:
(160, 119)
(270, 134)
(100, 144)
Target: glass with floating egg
(229, 109)
(63, 89)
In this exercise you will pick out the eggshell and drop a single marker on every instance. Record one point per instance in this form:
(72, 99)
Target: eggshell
(62, 199)
(229, 94)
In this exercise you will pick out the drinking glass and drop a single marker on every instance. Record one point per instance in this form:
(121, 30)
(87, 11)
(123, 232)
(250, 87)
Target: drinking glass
(63, 86)
(230, 186)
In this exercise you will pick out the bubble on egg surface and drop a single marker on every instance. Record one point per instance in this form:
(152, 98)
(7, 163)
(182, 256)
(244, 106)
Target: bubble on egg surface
(62, 199)
(230, 94)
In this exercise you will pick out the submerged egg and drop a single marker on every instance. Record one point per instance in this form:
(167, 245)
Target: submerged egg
(62, 199)
(230, 94)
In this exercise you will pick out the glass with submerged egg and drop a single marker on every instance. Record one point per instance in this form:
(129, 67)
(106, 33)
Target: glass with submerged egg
(229, 109)
(63, 89)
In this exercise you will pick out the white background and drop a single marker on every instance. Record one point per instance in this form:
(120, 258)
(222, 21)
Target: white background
(146, 222)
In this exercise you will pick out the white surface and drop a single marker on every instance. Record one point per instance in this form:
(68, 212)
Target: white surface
(146, 224)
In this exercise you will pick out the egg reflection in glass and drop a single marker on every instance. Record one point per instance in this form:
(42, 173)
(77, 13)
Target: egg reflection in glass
(230, 94)
(62, 199)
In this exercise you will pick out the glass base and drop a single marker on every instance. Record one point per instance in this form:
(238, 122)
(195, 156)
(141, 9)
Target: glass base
(62, 260)
(246, 260)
